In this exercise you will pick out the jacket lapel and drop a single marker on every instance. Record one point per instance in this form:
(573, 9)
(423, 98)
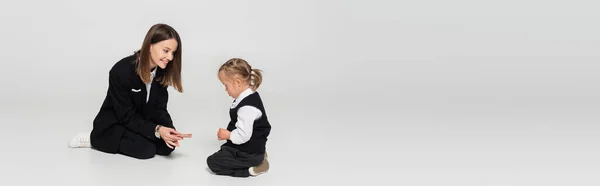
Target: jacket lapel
(141, 95)
(153, 93)
(154, 88)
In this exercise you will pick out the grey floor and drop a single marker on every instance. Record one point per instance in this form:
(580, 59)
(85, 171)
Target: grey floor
(429, 145)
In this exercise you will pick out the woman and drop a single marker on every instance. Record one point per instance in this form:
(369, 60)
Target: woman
(133, 119)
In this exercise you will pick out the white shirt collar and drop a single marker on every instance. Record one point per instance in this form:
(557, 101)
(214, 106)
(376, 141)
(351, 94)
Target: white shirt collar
(241, 97)
(153, 73)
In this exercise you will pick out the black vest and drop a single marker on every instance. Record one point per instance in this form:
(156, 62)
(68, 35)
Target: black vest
(260, 130)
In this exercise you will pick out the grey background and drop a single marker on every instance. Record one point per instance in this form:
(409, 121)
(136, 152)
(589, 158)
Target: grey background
(359, 92)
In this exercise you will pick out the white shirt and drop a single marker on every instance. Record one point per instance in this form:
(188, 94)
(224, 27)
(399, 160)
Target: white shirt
(149, 85)
(245, 119)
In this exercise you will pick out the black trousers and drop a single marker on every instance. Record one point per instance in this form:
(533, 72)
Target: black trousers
(229, 161)
(137, 146)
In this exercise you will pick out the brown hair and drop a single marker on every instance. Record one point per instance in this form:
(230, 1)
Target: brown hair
(241, 68)
(172, 76)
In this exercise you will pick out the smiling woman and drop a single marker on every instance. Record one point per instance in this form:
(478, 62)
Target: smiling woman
(133, 119)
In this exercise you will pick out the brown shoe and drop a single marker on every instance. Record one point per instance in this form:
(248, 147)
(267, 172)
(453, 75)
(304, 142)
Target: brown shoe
(262, 168)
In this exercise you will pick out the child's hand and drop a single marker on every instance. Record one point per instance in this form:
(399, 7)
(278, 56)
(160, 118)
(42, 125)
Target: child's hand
(223, 134)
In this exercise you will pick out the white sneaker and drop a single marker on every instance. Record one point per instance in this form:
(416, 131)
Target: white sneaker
(81, 140)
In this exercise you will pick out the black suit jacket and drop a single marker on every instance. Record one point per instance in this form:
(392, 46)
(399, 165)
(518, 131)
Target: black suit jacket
(125, 107)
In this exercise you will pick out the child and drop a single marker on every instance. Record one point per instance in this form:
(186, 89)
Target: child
(243, 154)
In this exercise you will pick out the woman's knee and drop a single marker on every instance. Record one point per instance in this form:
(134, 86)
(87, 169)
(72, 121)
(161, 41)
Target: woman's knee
(164, 151)
(144, 156)
(139, 151)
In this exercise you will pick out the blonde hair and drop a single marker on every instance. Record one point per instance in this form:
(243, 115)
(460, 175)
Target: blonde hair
(241, 68)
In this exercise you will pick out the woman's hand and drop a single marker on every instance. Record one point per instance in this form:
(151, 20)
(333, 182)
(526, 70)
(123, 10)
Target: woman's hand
(170, 136)
(185, 135)
(172, 144)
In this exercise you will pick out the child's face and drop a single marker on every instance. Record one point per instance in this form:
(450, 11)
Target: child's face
(233, 86)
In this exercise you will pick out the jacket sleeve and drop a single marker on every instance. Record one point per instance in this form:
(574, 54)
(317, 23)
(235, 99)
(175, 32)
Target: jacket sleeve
(162, 114)
(125, 110)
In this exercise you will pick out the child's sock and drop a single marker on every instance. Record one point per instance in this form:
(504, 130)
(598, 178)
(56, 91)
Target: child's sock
(81, 140)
